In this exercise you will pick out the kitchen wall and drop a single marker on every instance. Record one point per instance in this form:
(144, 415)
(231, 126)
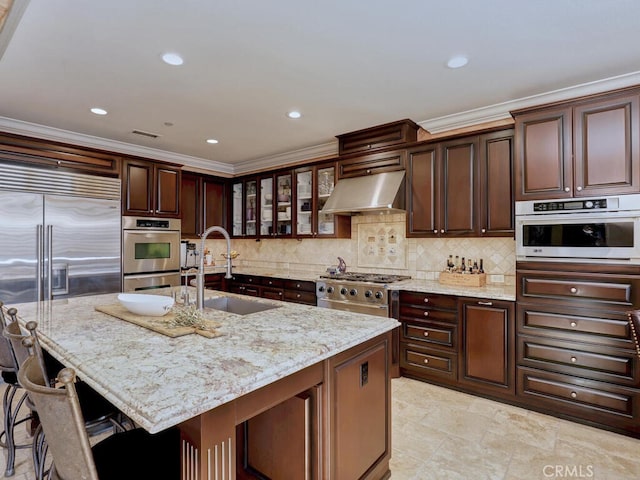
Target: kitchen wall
(377, 244)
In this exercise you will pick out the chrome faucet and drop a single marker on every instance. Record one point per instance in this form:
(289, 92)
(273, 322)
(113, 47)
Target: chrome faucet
(200, 275)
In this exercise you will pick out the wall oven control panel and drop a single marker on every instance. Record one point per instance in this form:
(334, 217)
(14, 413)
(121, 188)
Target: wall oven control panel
(571, 205)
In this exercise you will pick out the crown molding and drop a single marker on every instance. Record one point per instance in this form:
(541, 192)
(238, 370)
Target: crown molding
(329, 149)
(19, 127)
(501, 111)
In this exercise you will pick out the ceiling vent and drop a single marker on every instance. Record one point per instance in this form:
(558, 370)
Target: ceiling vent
(145, 134)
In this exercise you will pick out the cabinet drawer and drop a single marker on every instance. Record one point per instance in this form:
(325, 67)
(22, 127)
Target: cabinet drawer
(308, 298)
(300, 285)
(616, 291)
(445, 302)
(272, 293)
(410, 312)
(272, 282)
(594, 401)
(427, 362)
(611, 328)
(372, 164)
(598, 363)
(430, 333)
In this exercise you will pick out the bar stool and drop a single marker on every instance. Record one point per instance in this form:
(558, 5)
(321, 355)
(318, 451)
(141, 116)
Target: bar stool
(128, 455)
(11, 408)
(95, 408)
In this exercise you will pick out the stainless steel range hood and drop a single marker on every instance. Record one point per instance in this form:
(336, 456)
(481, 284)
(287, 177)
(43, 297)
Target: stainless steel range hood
(380, 193)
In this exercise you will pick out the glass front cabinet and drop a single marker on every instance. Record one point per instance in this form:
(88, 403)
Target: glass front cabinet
(287, 204)
(313, 187)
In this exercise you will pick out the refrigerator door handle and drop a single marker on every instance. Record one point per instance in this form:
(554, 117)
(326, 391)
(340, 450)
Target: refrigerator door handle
(49, 291)
(39, 260)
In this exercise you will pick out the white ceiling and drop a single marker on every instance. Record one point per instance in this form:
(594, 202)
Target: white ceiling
(345, 64)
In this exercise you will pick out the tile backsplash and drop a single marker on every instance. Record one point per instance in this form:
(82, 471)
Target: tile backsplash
(421, 258)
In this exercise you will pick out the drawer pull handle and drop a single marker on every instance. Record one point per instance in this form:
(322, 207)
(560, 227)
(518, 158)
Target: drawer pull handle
(573, 290)
(297, 285)
(426, 314)
(426, 300)
(574, 394)
(574, 359)
(426, 360)
(426, 334)
(573, 324)
(485, 303)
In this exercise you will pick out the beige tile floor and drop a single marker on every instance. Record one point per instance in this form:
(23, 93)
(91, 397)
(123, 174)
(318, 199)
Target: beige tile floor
(443, 434)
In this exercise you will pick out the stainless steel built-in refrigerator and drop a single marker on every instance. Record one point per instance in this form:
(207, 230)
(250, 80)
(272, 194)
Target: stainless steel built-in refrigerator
(60, 234)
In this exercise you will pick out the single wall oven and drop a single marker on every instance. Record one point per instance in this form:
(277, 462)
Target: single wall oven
(150, 253)
(598, 229)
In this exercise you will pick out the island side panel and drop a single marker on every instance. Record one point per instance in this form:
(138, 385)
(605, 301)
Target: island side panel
(358, 415)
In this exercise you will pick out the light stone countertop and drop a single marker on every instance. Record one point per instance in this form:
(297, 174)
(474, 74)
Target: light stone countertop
(160, 381)
(492, 292)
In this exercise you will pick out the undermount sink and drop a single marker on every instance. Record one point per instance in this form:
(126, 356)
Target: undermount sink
(239, 306)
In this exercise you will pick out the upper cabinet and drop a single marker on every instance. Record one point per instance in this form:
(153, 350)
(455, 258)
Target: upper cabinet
(313, 185)
(150, 188)
(372, 163)
(375, 138)
(461, 187)
(579, 149)
(54, 154)
(202, 203)
(276, 200)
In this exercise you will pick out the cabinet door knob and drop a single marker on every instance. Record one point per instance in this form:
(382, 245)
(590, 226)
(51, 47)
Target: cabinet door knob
(573, 290)
(442, 230)
(426, 360)
(574, 359)
(426, 314)
(574, 394)
(297, 285)
(435, 231)
(426, 334)
(484, 230)
(579, 189)
(567, 189)
(573, 324)
(298, 295)
(426, 300)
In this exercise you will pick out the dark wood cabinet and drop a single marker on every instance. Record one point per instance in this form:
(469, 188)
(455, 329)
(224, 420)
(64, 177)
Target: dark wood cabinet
(429, 337)
(487, 346)
(443, 189)
(576, 355)
(203, 203)
(15, 148)
(298, 291)
(372, 163)
(496, 217)
(582, 148)
(375, 138)
(150, 188)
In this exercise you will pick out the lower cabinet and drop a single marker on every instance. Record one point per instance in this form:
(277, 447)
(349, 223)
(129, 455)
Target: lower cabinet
(273, 288)
(487, 347)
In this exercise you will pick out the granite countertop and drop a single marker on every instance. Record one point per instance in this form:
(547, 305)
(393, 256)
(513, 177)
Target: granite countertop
(492, 291)
(160, 381)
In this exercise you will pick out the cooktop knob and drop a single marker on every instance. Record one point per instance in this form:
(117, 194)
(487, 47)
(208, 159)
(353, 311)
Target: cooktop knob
(329, 289)
(353, 292)
(588, 204)
(343, 291)
(379, 295)
(321, 288)
(368, 293)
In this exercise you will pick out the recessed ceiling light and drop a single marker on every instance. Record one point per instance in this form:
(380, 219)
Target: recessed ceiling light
(457, 62)
(294, 114)
(98, 111)
(212, 140)
(172, 59)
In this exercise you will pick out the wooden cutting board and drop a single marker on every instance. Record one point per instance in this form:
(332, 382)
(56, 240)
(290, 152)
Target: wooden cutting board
(157, 324)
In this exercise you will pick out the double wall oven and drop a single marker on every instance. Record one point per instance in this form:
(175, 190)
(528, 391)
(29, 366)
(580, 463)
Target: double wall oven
(150, 253)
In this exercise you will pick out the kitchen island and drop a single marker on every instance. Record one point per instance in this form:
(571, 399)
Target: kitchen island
(318, 376)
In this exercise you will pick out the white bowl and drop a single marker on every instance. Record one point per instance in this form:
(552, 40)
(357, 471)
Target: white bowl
(142, 304)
